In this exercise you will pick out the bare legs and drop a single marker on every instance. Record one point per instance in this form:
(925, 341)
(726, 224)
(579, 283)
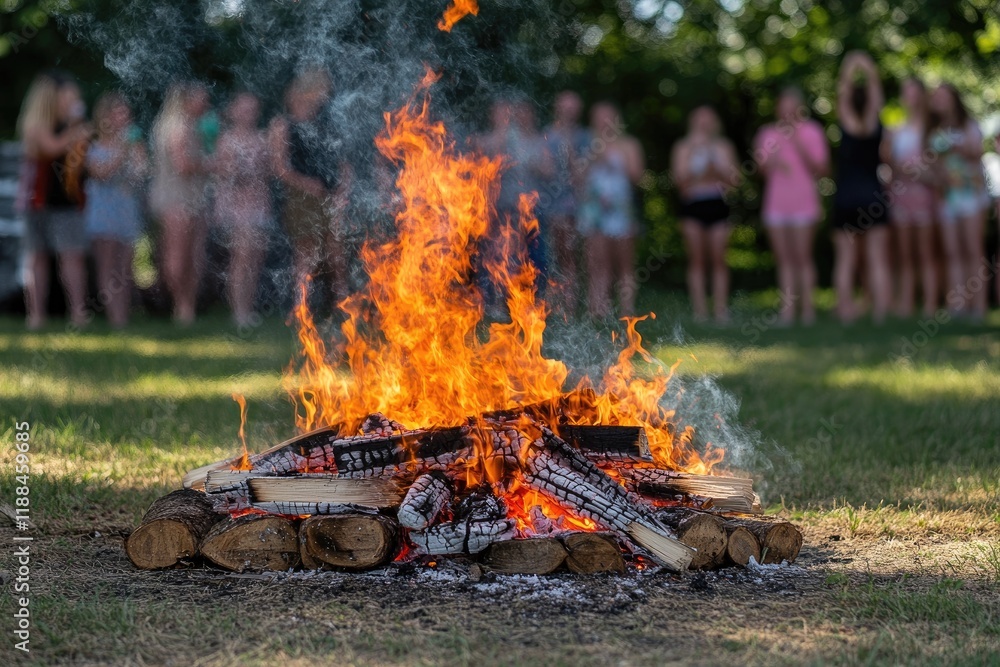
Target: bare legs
(244, 269)
(564, 286)
(36, 289)
(183, 247)
(973, 253)
(916, 242)
(876, 245)
(905, 241)
(792, 246)
(72, 274)
(611, 261)
(707, 246)
(114, 278)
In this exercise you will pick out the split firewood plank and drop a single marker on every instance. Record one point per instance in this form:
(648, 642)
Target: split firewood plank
(705, 533)
(779, 540)
(540, 555)
(171, 529)
(253, 542)
(325, 489)
(621, 443)
(728, 494)
(740, 546)
(591, 553)
(304, 442)
(457, 537)
(300, 509)
(424, 500)
(350, 541)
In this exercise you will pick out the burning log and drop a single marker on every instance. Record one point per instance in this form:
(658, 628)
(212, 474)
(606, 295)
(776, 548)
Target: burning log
(350, 541)
(540, 555)
(740, 546)
(615, 443)
(252, 542)
(171, 530)
(591, 553)
(728, 494)
(705, 533)
(426, 498)
(779, 540)
(456, 537)
(568, 478)
(369, 456)
(325, 489)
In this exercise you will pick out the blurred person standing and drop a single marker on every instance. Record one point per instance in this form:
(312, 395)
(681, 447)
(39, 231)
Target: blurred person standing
(179, 197)
(514, 136)
(568, 144)
(116, 164)
(243, 211)
(956, 139)
(793, 155)
(54, 134)
(317, 181)
(703, 163)
(860, 207)
(913, 201)
(607, 218)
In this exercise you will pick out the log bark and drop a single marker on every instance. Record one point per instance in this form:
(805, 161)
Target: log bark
(740, 546)
(779, 540)
(592, 553)
(352, 541)
(705, 533)
(171, 529)
(253, 542)
(540, 555)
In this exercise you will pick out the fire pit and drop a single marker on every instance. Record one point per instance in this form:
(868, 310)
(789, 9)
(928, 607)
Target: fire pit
(427, 434)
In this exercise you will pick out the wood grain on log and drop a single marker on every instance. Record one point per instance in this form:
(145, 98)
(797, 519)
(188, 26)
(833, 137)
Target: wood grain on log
(325, 489)
(591, 553)
(740, 546)
(171, 529)
(350, 541)
(728, 494)
(252, 542)
(540, 555)
(779, 540)
(705, 533)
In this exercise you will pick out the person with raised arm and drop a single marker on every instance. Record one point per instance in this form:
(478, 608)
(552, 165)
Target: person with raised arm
(860, 207)
(703, 163)
(792, 154)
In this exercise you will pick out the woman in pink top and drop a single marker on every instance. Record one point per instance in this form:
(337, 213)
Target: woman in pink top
(792, 154)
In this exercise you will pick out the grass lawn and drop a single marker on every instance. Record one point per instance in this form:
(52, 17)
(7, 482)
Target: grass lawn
(882, 442)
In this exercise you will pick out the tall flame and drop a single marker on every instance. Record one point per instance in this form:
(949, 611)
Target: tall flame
(411, 347)
(244, 463)
(455, 12)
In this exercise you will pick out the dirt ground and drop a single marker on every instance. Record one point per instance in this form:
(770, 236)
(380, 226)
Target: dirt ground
(847, 600)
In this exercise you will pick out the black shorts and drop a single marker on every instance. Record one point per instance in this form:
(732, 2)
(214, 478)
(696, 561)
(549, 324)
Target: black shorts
(859, 219)
(706, 212)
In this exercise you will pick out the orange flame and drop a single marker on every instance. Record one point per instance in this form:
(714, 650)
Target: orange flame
(412, 347)
(244, 463)
(456, 11)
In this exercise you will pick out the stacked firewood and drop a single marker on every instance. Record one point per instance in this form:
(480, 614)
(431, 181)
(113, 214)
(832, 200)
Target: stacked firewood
(326, 501)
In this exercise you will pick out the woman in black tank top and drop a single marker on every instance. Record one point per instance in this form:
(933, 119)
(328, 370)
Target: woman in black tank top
(860, 209)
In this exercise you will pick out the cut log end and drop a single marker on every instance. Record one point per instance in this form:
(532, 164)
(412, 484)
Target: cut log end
(741, 546)
(353, 542)
(593, 553)
(706, 534)
(253, 542)
(531, 556)
(171, 530)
